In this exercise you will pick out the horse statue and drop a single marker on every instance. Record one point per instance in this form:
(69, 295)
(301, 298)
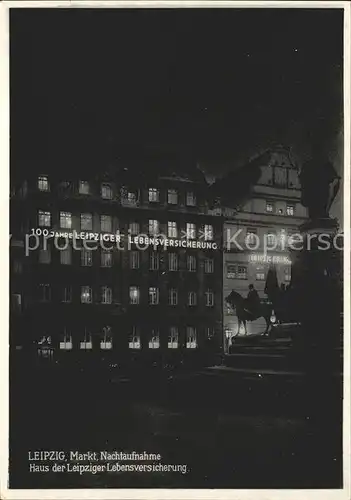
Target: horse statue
(244, 314)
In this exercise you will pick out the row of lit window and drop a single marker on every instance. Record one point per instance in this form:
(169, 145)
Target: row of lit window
(106, 192)
(86, 221)
(239, 272)
(172, 197)
(134, 339)
(106, 295)
(280, 236)
(271, 208)
(86, 224)
(154, 296)
(155, 260)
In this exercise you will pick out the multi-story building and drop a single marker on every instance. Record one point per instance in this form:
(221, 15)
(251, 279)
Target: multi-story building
(115, 264)
(259, 232)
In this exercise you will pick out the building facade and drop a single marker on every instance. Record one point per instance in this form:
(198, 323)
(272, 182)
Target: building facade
(115, 265)
(259, 233)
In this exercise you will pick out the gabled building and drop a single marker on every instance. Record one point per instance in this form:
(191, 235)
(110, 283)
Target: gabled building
(264, 211)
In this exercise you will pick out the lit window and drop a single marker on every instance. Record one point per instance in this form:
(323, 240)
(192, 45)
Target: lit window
(209, 298)
(44, 218)
(173, 261)
(190, 199)
(66, 341)
(172, 197)
(86, 222)
(231, 271)
(106, 341)
(208, 232)
(134, 339)
(67, 294)
(172, 296)
(154, 194)
(153, 227)
(191, 263)
(45, 292)
(106, 191)
(86, 295)
(106, 223)
(242, 272)
(86, 257)
(192, 299)
(134, 228)
(154, 261)
(209, 266)
(66, 256)
(134, 259)
(271, 237)
(190, 231)
(106, 258)
(84, 187)
(251, 236)
(134, 295)
(154, 295)
(172, 229)
(132, 197)
(43, 183)
(87, 343)
(106, 295)
(173, 337)
(45, 256)
(191, 341)
(66, 220)
(269, 207)
(154, 342)
(290, 210)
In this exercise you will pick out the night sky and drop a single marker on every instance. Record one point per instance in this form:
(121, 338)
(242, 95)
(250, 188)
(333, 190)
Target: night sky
(208, 85)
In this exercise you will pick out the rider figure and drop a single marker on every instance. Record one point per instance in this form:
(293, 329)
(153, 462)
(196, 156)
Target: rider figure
(253, 300)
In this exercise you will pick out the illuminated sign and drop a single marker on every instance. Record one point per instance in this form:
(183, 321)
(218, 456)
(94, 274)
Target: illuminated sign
(269, 259)
(167, 242)
(82, 235)
(141, 240)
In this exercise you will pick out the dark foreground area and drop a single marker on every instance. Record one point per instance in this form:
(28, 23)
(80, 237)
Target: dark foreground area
(230, 430)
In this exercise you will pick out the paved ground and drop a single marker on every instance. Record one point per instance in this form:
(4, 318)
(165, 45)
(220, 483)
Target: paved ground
(244, 434)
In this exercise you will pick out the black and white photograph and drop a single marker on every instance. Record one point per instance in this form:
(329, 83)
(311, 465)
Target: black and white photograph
(176, 261)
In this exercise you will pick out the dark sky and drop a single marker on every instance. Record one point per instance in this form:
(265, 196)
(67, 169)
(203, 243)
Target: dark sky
(213, 85)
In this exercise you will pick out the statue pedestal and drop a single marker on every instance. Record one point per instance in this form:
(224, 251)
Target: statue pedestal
(317, 291)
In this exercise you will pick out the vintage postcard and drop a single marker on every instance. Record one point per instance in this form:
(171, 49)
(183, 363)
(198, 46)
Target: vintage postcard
(175, 188)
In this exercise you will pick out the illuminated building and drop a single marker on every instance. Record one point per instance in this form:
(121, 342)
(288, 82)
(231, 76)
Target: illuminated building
(131, 264)
(266, 223)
